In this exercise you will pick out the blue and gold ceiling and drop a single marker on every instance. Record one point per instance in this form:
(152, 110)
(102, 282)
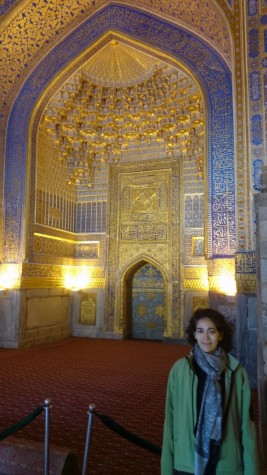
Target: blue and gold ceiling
(29, 30)
(162, 39)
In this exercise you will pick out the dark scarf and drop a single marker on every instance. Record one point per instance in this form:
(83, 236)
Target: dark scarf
(209, 424)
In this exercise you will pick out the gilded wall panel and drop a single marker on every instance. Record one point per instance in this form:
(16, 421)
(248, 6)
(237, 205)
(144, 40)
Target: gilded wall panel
(30, 30)
(195, 272)
(195, 278)
(221, 276)
(257, 83)
(194, 247)
(204, 62)
(50, 247)
(54, 276)
(215, 284)
(246, 284)
(151, 192)
(243, 205)
(195, 284)
(221, 266)
(199, 302)
(129, 253)
(245, 265)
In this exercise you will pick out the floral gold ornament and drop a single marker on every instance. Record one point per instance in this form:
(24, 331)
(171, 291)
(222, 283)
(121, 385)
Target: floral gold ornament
(120, 100)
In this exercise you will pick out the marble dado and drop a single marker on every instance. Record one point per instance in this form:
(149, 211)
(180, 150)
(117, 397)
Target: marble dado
(45, 316)
(35, 316)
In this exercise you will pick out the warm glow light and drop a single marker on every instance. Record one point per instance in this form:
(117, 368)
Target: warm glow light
(204, 284)
(10, 276)
(227, 284)
(76, 278)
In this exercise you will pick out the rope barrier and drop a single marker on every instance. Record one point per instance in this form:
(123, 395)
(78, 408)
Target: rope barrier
(140, 441)
(22, 423)
(106, 420)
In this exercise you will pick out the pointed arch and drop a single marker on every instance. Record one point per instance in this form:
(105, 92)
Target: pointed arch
(195, 54)
(129, 319)
(131, 267)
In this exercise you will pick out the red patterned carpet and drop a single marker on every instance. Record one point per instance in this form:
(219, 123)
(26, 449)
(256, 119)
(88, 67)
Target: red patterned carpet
(126, 380)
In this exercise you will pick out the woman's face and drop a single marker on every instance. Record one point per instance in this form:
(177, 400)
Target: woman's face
(207, 335)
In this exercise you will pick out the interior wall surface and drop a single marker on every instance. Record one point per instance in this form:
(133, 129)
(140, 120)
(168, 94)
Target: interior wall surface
(45, 316)
(139, 191)
(178, 45)
(88, 313)
(215, 79)
(201, 59)
(261, 233)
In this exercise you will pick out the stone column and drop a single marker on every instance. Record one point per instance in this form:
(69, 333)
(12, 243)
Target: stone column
(261, 258)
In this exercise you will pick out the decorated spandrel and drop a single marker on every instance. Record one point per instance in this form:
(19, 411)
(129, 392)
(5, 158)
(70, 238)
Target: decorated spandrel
(209, 69)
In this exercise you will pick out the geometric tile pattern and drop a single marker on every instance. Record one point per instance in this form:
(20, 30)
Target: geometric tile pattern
(37, 25)
(200, 58)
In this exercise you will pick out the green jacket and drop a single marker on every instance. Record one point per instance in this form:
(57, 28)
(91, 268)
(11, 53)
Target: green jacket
(239, 454)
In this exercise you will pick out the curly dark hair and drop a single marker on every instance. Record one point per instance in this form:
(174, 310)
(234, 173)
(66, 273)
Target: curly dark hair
(222, 324)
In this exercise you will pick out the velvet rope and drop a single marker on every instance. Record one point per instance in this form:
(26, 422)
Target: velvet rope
(22, 423)
(109, 422)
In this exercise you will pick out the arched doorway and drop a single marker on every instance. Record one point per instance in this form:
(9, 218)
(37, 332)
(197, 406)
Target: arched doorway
(197, 56)
(206, 66)
(147, 305)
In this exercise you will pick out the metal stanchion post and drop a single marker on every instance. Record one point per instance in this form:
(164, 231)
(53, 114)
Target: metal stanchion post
(88, 437)
(46, 436)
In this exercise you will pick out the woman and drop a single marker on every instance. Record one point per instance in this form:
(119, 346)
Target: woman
(208, 427)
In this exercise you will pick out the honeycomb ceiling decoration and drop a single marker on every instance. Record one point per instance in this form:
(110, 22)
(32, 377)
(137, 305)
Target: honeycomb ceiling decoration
(120, 100)
(30, 29)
